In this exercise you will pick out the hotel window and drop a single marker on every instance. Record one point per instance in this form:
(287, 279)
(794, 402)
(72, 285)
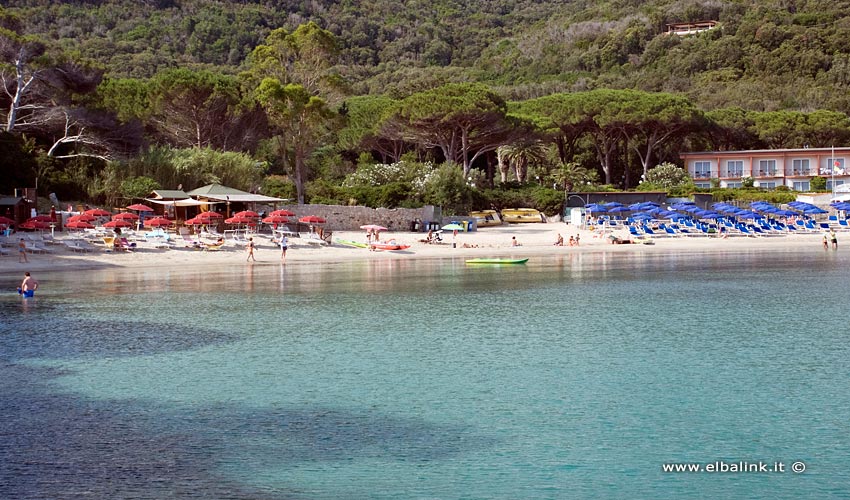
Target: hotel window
(767, 167)
(767, 185)
(800, 167)
(829, 184)
(702, 169)
(735, 168)
(801, 185)
(733, 184)
(702, 185)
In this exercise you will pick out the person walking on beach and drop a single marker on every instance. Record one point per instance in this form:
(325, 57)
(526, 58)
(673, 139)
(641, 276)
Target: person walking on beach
(834, 239)
(825, 241)
(251, 250)
(284, 243)
(22, 251)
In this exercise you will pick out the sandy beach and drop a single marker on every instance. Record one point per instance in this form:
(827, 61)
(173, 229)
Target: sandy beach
(534, 240)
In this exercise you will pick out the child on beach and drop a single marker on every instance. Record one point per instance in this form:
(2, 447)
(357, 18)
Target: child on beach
(22, 251)
(284, 244)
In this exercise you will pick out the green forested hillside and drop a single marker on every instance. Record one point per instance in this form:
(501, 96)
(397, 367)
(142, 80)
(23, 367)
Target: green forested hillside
(765, 55)
(406, 102)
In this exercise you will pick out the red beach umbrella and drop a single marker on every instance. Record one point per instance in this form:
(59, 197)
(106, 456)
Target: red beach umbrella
(125, 216)
(374, 227)
(158, 222)
(139, 207)
(34, 224)
(78, 224)
(81, 218)
(312, 219)
(118, 223)
(194, 222)
(247, 213)
(275, 219)
(98, 212)
(238, 220)
(283, 212)
(40, 218)
(208, 216)
(6, 220)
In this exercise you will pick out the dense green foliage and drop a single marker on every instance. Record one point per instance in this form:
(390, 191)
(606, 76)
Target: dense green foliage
(764, 55)
(495, 94)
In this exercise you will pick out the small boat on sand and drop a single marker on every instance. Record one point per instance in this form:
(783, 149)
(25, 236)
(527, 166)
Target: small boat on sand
(496, 261)
(350, 243)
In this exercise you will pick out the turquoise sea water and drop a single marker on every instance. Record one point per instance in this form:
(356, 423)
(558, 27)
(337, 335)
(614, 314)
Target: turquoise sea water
(569, 377)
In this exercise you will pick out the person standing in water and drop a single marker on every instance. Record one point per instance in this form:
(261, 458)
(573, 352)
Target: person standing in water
(28, 286)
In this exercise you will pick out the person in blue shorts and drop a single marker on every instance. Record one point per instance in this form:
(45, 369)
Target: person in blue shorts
(28, 286)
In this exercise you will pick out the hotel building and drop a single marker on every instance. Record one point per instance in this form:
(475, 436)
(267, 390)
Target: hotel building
(769, 168)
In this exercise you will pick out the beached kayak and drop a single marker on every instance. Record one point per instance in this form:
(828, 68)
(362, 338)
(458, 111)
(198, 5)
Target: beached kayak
(350, 243)
(496, 261)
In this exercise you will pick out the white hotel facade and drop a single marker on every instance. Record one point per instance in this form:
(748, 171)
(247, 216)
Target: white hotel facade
(769, 168)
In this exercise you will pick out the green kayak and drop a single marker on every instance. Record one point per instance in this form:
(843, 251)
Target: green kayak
(350, 243)
(496, 261)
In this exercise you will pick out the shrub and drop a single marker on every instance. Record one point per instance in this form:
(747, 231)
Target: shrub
(818, 183)
(138, 187)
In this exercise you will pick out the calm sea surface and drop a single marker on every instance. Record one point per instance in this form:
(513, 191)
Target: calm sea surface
(572, 377)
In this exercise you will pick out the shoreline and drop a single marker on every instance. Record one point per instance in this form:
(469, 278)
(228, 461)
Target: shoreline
(536, 240)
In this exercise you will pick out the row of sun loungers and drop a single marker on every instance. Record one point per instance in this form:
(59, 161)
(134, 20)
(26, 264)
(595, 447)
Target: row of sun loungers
(751, 228)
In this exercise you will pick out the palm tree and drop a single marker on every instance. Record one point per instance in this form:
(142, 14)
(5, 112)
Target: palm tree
(521, 154)
(570, 174)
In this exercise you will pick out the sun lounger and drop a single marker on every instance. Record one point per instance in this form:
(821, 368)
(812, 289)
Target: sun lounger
(77, 246)
(35, 248)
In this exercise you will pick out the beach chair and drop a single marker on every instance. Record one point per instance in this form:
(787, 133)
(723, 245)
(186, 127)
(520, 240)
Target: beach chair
(188, 241)
(74, 246)
(32, 247)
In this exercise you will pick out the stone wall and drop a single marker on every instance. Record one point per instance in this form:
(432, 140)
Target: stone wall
(346, 218)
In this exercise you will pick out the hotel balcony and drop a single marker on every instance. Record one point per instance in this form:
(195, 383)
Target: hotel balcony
(800, 173)
(767, 174)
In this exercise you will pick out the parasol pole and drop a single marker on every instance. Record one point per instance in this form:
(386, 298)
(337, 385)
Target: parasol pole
(834, 166)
